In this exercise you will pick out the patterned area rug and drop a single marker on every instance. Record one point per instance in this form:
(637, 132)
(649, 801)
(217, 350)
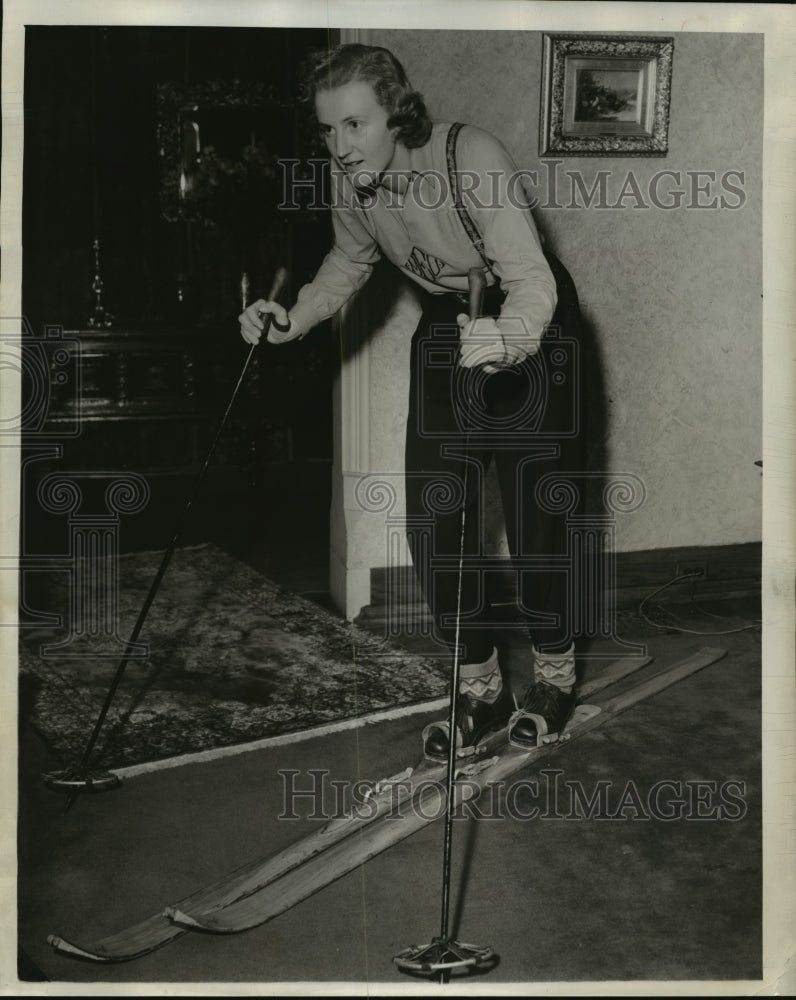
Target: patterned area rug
(231, 658)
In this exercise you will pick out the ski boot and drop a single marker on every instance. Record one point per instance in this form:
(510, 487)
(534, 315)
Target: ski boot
(476, 719)
(544, 713)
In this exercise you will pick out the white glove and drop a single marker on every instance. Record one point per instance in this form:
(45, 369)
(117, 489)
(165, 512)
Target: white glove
(252, 323)
(495, 347)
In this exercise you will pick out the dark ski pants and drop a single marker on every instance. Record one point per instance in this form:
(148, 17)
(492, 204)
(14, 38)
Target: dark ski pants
(527, 420)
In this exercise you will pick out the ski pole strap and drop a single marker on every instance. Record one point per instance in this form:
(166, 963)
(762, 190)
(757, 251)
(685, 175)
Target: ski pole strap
(458, 204)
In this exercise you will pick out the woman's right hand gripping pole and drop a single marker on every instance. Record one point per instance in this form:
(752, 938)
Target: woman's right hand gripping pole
(268, 316)
(254, 320)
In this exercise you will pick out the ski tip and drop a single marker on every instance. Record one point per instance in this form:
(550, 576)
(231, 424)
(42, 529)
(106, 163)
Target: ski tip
(177, 916)
(211, 923)
(67, 948)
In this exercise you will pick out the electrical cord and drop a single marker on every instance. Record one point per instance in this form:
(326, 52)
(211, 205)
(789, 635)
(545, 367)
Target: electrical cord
(681, 628)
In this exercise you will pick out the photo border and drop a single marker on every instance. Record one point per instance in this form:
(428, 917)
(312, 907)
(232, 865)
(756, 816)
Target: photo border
(776, 23)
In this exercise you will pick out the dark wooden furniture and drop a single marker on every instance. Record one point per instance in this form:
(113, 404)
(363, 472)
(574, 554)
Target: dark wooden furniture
(151, 399)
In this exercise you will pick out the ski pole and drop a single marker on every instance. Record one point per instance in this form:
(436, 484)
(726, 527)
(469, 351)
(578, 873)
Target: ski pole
(75, 779)
(443, 954)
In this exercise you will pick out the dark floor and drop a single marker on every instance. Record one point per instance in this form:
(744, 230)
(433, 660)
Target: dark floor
(624, 897)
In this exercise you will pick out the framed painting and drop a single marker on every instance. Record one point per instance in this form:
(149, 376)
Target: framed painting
(605, 95)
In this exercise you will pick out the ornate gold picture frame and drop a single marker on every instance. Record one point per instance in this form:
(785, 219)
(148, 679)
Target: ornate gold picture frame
(605, 95)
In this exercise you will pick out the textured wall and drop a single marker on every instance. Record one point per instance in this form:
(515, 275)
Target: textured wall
(672, 298)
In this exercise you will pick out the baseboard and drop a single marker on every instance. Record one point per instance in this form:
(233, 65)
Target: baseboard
(731, 570)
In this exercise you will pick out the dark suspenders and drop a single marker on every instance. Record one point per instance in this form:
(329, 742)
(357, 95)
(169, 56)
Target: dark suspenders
(458, 204)
(563, 280)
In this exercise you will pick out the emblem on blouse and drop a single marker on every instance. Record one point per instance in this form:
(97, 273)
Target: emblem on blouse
(424, 265)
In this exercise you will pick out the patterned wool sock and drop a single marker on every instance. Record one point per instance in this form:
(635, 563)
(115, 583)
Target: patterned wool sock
(555, 668)
(481, 681)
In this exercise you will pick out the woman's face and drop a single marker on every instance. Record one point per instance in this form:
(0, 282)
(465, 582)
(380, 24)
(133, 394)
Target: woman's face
(354, 127)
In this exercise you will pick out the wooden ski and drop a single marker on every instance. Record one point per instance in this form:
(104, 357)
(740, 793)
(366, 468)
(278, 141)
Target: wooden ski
(329, 852)
(158, 930)
(268, 901)
(144, 937)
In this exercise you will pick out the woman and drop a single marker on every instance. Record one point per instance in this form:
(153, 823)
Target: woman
(479, 386)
